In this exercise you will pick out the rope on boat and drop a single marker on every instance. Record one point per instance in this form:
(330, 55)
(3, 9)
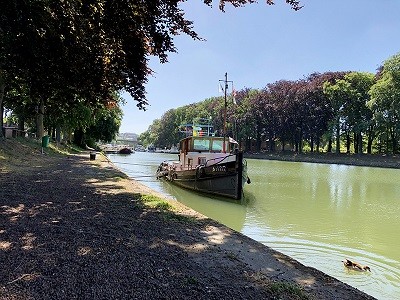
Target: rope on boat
(121, 163)
(220, 159)
(142, 176)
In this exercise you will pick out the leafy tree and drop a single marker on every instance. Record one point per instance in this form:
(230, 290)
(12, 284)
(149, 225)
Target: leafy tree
(283, 96)
(92, 48)
(320, 110)
(169, 135)
(2, 86)
(151, 136)
(144, 138)
(106, 125)
(348, 98)
(18, 101)
(270, 120)
(245, 114)
(337, 95)
(385, 95)
(356, 112)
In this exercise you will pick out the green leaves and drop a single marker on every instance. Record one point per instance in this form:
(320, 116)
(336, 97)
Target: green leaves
(91, 48)
(385, 103)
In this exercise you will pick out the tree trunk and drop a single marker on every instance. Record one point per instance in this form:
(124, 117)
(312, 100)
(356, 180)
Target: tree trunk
(58, 134)
(2, 86)
(258, 138)
(387, 142)
(337, 135)
(39, 121)
(248, 145)
(360, 143)
(301, 141)
(271, 144)
(312, 144)
(348, 143)
(79, 137)
(67, 136)
(371, 137)
(318, 144)
(369, 145)
(394, 142)
(380, 146)
(21, 126)
(330, 146)
(355, 144)
(258, 142)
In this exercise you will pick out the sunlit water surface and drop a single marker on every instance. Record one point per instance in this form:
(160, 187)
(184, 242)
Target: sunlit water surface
(316, 213)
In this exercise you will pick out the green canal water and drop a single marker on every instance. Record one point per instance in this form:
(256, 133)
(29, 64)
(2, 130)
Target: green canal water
(318, 214)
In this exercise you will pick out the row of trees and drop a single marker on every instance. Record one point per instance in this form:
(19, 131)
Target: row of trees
(67, 59)
(80, 123)
(357, 111)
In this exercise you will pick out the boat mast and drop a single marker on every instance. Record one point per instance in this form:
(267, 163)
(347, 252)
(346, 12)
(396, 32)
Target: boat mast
(225, 105)
(226, 87)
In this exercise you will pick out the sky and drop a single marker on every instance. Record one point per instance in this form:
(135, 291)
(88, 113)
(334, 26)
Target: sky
(260, 44)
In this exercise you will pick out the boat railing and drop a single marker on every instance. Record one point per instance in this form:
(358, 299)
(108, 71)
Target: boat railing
(171, 161)
(217, 160)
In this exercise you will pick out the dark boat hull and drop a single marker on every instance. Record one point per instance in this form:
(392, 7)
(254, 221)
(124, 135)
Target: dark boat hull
(226, 186)
(125, 151)
(225, 179)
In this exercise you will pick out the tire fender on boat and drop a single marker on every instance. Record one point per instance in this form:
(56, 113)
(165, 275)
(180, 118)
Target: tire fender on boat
(200, 171)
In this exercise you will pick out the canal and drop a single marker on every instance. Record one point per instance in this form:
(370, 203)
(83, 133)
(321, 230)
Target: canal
(318, 214)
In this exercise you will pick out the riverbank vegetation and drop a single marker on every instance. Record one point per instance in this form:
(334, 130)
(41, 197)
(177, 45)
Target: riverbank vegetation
(351, 112)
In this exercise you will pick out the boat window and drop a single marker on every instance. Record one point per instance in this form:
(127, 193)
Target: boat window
(183, 146)
(202, 160)
(201, 144)
(217, 145)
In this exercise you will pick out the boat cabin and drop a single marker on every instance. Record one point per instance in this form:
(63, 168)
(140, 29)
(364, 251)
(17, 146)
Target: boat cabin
(204, 144)
(206, 150)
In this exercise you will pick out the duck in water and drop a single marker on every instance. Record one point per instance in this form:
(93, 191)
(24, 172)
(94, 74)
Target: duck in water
(352, 265)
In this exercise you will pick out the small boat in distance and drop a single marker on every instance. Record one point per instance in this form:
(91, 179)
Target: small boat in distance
(125, 150)
(203, 166)
(116, 149)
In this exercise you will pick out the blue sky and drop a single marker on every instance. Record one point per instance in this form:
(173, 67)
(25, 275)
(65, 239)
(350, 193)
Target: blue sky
(260, 44)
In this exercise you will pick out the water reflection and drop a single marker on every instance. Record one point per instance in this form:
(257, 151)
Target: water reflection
(226, 211)
(318, 214)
